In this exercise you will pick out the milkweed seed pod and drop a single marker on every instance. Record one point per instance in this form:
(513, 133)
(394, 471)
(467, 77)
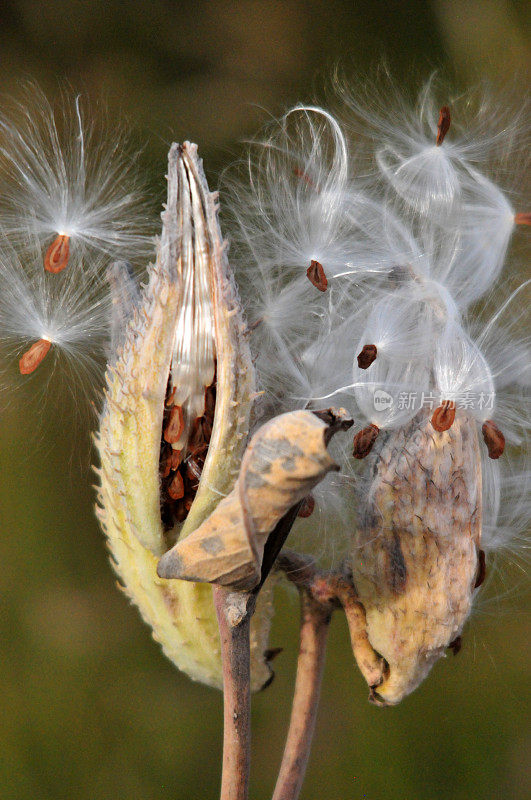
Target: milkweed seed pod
(183, 349)
(416, 555)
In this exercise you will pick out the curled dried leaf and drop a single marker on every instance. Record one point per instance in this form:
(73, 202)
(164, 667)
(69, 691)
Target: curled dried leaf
(285, 459)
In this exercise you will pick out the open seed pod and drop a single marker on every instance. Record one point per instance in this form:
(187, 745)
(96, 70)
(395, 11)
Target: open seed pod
(175, 422)
(416, 556)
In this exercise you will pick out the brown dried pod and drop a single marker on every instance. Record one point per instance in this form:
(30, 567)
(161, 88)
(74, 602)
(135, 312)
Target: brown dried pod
(58, 253)
(316, 276)
(367, 356)
(364, 440)
(523, 218)
(443, 126)
(444, 416)
(284, 460)
(415, 556)
(34, 356)
(493, 438)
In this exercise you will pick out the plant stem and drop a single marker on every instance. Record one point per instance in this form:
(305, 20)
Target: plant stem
(315, 621)
(234, 611)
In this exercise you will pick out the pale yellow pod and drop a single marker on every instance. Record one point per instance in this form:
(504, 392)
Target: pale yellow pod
(283, 462)
(415, 558)
(191, 272)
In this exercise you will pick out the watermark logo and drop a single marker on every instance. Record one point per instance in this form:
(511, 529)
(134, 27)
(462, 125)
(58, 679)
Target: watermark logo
(414, 401)
(382, 400)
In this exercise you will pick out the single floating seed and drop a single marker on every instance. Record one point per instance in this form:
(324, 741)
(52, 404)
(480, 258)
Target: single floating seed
(367, 356)
(307, 506)
(482, 569)
(493, 438)
(523, 219)
(443, 416)
(364, 440)
(58, 253)
(33, 357)
(175, 427)
(316, 275)
(443, 126)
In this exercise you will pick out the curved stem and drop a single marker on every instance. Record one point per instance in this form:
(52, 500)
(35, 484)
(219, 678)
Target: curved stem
(315, 621)
(234, 611)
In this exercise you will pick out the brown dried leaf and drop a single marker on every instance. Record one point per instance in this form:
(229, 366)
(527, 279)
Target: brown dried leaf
(284, 460)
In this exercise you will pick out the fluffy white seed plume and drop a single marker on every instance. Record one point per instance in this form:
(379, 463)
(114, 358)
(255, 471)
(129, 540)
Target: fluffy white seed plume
(293, 210)
(408, 248)
(70, 178)
(56, 326)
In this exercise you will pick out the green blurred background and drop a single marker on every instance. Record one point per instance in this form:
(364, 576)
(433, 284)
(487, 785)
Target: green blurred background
(90, 709)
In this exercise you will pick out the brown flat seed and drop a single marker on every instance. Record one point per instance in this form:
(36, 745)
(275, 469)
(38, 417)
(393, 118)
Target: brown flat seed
(493, 438)
(367, 356)
(307, 506)
(482, 569)
(176, 487)
(58, 253)
(443, 126)
(175, 458)
(443, 416)
(33, 357)
(364, 440)
(523, 218)
(316, 275)
(175, 427)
